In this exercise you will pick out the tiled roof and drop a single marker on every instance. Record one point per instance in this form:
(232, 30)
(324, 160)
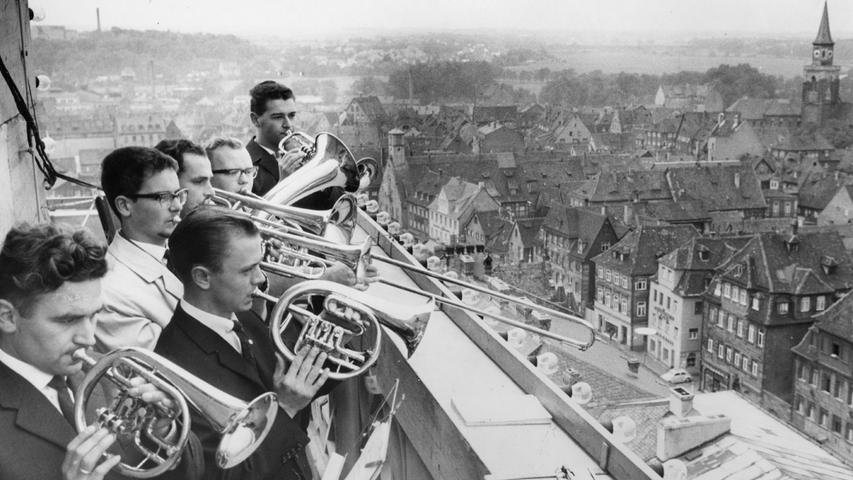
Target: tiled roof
(838, 318)
(644, 246)
(718, 188)
(621, 186)
(575, 223)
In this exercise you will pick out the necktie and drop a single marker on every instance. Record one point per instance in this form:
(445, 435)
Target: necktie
(245, 342)
(66, 403)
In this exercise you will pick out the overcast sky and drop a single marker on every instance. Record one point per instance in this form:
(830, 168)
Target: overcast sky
(652, 18)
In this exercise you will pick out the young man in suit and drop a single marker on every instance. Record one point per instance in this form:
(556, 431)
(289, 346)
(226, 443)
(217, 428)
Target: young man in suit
(194, 171)
(273, 110)
(215, 336)
(140, 293)
(50, 285)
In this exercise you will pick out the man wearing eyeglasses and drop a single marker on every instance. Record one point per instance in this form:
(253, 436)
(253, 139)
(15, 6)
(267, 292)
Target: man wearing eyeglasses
(139, 293)
(231, 165)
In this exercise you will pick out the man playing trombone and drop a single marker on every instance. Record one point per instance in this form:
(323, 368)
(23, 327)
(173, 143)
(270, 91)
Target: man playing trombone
(214, 335)
(50, 286)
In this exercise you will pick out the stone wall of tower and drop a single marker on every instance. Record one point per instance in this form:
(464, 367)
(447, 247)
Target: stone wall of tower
(22, 198)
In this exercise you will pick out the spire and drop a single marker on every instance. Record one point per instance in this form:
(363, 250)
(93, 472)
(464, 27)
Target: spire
(823, 36)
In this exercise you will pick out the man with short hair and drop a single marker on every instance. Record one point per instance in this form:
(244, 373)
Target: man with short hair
(213, 335)
(140, 293)
(193, 171)
(273, 110)
(231, 165)
(50, 286)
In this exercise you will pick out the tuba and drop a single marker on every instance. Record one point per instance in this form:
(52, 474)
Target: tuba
(327, 163)
(348, 316)
(243, 425)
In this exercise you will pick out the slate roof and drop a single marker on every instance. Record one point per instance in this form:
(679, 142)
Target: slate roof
(767, 263)
(836, 320)
(644, 246)
(688, 259)
(621, 186)
(823, 36)
(817, 190)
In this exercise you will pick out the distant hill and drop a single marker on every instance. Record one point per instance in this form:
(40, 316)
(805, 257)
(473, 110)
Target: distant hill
(172, 54)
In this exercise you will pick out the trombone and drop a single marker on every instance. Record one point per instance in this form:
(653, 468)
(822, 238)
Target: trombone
(438, 298)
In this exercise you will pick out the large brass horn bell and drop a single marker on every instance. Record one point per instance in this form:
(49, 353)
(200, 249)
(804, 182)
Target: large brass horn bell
(243, 425)
(328, 163)
(348, 317)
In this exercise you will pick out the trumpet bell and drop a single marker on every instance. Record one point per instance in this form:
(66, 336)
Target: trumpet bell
(329, 163)
(368, 170)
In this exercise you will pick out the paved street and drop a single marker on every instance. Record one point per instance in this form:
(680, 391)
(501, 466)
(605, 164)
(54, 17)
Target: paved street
(609, 357)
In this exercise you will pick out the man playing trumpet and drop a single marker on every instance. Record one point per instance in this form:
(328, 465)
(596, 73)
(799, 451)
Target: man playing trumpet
(50, 296)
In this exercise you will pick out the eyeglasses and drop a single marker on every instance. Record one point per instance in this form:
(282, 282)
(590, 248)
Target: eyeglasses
(165, 198)
(233, 172)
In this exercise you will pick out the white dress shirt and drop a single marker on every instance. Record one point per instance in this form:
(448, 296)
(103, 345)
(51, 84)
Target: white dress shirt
(224, 327)
(36, 377)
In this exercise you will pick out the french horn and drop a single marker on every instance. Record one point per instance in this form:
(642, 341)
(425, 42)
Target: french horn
(243, 425)
(347, 317)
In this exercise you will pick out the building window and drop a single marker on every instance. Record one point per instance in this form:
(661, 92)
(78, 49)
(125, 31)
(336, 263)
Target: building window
(624, 281)
(607, 275)
(836, 387)
(745, 364)
(694, 333)
(730, 325)
(668, 303)
(805, 304)
(721, 351)
(760, 342)
(717, 289)
(697, 307)
(825, 382)
(641, 309)
(728, 354)
(640, 284)
(815, 376)
(810, 410)
(624, 305)
(782, 307)
(803, 372)
(755, 303)
(727, 290)
(737, 359)
(721, 319)
(691, 360)
(823, 420)
(742, 297)
(754, 368)
(820, 303)
(711, 346)
(750, 333)
(849, 435)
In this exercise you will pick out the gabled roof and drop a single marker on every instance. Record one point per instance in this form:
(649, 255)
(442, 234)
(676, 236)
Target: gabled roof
(372, 108)
(818, 190)
(718, 188)
(838, 318)
(644, 246)
(622, 186)
(497, 231)
(767, 263)
(697, 260)
(575, 223)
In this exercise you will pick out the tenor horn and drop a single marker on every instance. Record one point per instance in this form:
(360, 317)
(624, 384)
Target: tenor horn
(328, 163)
(282, 248)
(348, 316)
(242, 425)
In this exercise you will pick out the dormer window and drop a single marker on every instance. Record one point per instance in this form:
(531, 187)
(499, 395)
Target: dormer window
(828, 264)
(704, 255)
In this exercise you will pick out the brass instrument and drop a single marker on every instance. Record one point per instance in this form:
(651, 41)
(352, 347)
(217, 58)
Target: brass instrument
(327, 163)
(348, 315)
(368, 169)
(243, 425)
(282, 247)
(579, 344)
(335, 224)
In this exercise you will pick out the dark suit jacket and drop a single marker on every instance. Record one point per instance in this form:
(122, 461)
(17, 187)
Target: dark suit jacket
(268, 177)
(202, 352)
(268, 171)
(34, 435)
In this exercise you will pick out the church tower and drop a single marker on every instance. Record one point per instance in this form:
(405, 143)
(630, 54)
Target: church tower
(821, 78)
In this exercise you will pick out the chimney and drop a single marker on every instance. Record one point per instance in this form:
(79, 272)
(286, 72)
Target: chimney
(98, 16)
(626, 214)
(680, 402)
(676, 436)
(737, 179)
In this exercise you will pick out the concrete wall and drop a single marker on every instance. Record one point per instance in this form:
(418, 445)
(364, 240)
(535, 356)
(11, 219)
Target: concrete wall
(21, 192)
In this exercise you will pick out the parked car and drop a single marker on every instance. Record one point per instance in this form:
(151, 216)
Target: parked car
(677, 375)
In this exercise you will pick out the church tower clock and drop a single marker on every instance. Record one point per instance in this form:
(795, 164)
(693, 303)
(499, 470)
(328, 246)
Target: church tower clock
(821, 78)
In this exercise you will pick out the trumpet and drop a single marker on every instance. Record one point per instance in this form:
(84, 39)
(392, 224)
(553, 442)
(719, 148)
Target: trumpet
(315, 254)
(243, 425)
(348, 315)
(335, 225)
(328, 163)
(453, 302)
